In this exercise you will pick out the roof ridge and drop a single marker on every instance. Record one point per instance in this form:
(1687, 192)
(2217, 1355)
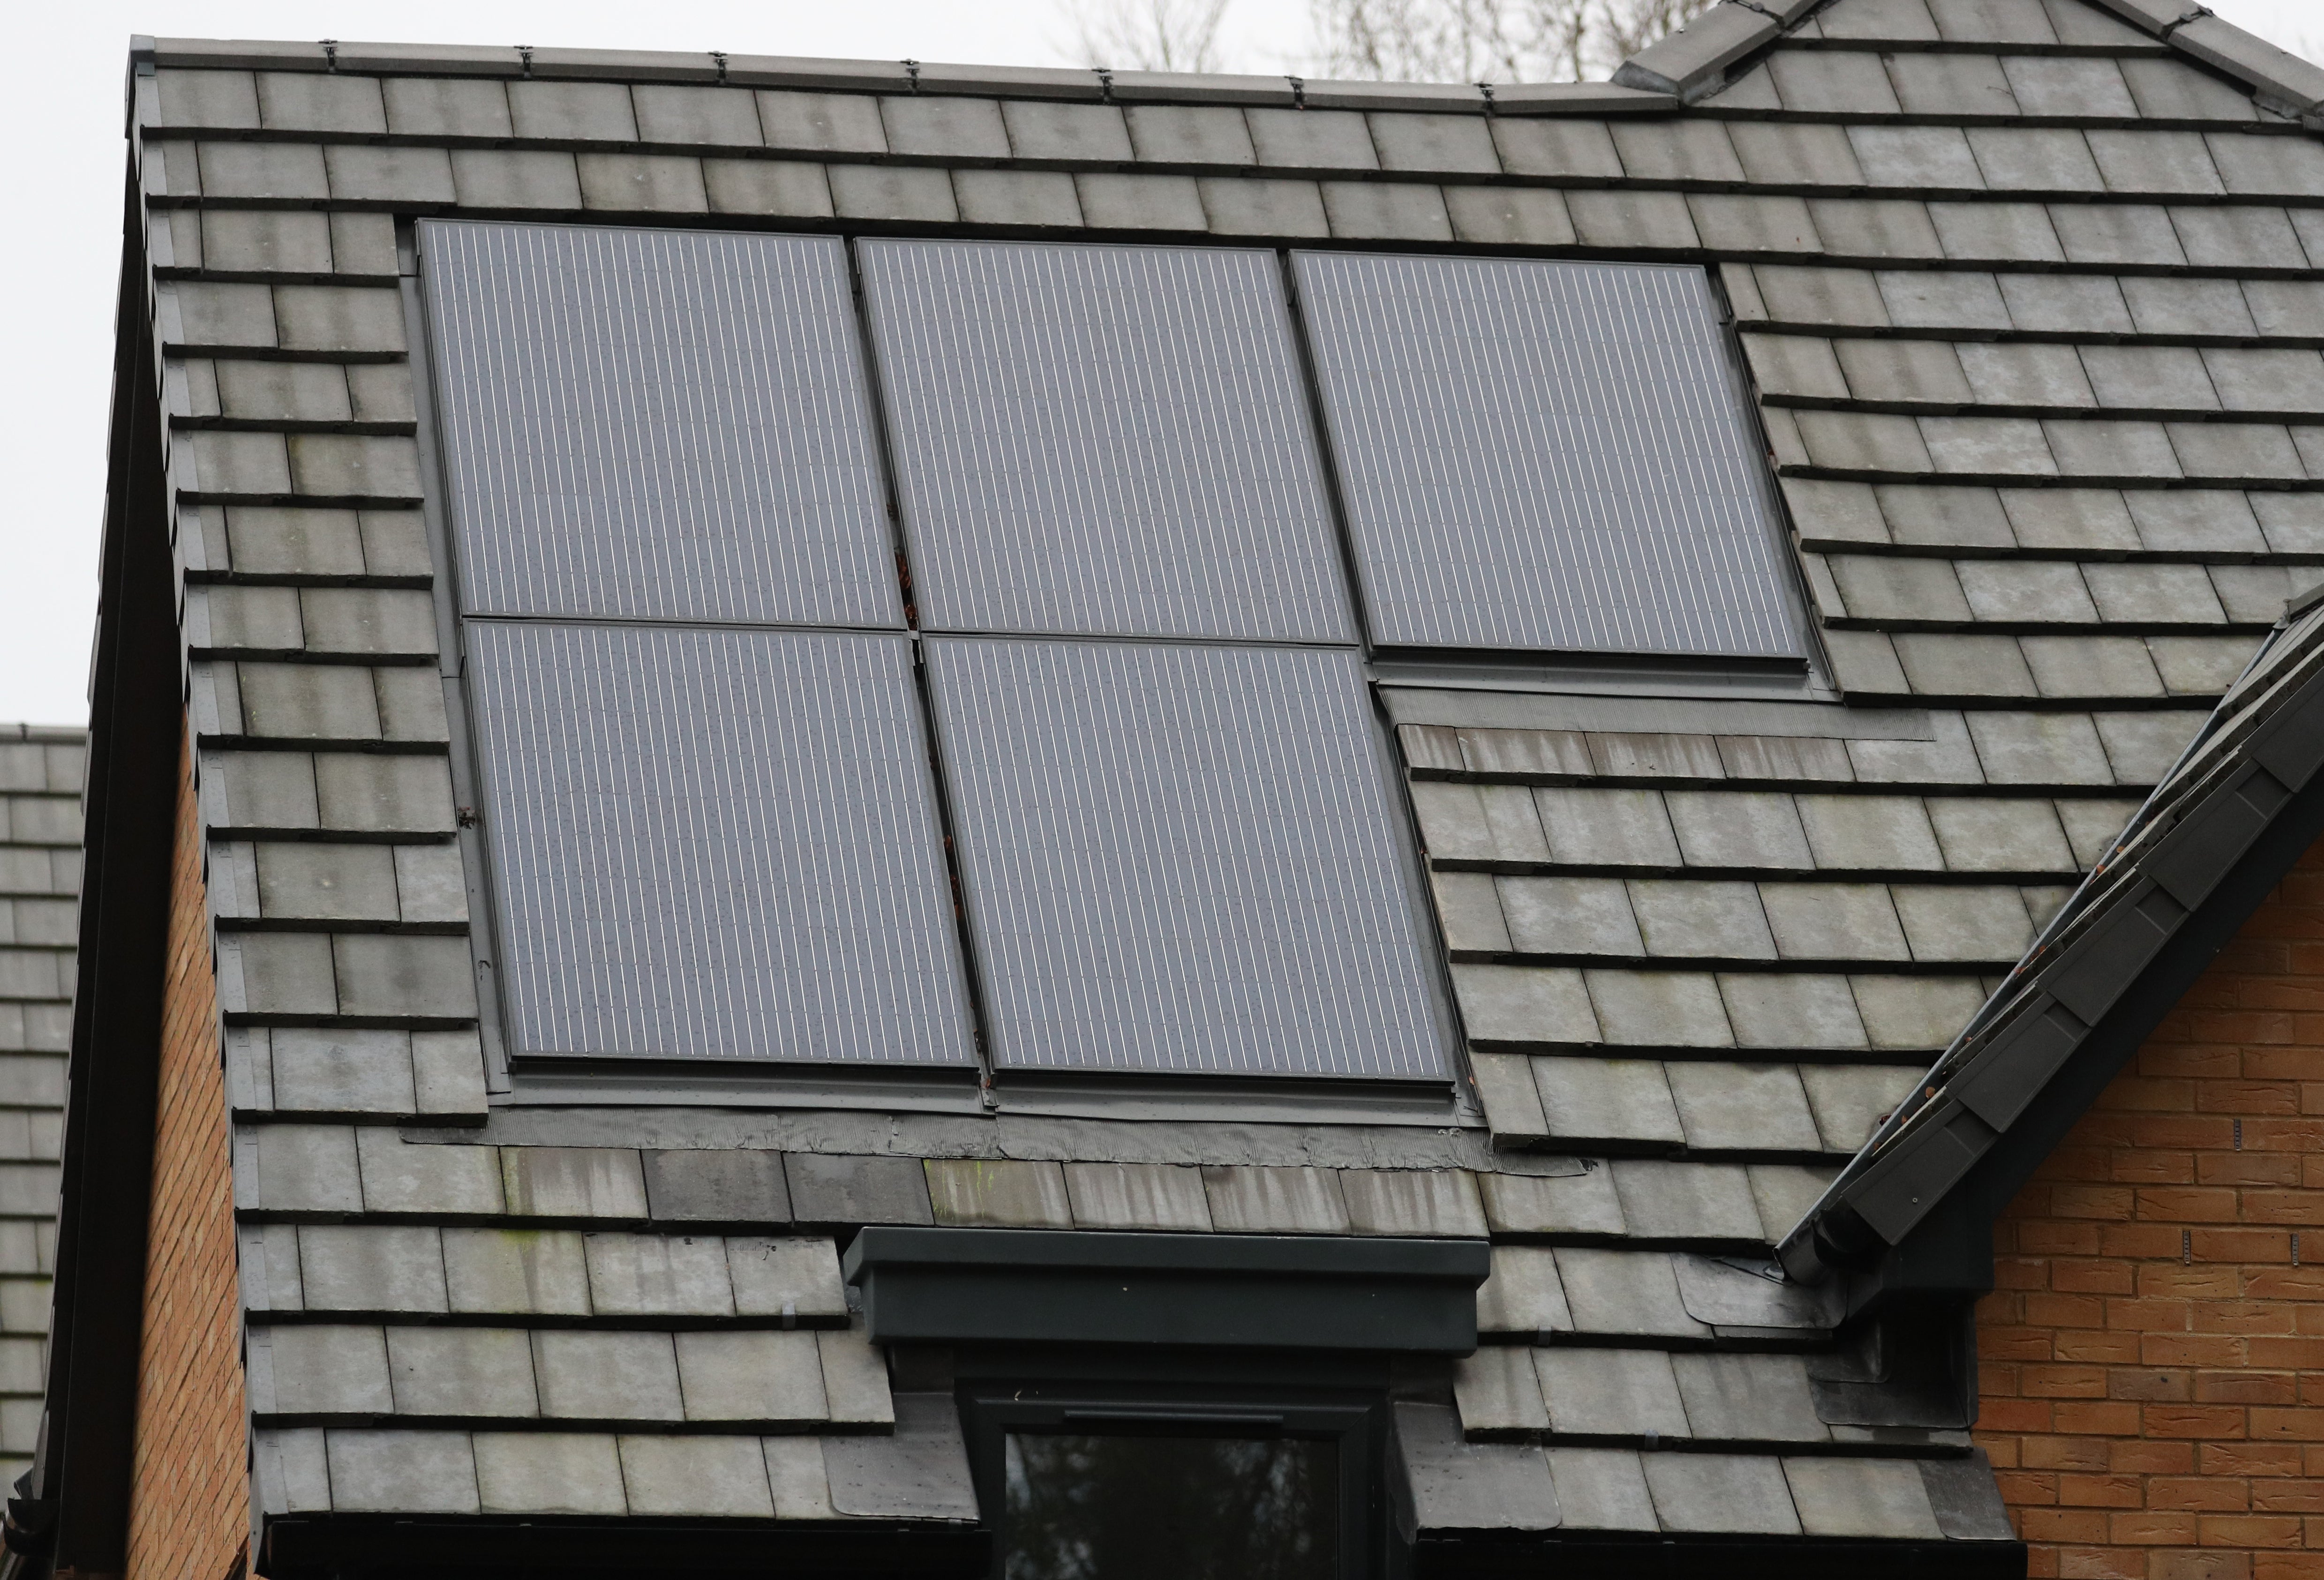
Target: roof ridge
(1697, 60)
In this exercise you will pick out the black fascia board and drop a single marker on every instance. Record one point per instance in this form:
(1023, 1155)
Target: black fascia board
(1912, 1213)
(1597, 1556)
(476, 1547)
(1253, 1291)
(79, 1484)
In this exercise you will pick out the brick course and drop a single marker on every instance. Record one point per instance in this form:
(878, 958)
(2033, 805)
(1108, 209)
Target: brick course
(2152, 1356)
(189, 1495)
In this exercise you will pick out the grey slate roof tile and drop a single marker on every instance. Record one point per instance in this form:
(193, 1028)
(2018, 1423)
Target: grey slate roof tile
(1916, 1012)
(1469, 907)
(349, 1269)
(2171, 90)
(226, 100)
(301, 101)
(1915, 158)
(838, 1188)
(795, 1474)
(1676, 150)
(1860, 1497)
(821, 122)
(921, 1472)
(1016, 197)
(260, 241)
(453, 1180)
(1958, 85)
(1555, 146)
(1834, 921)
(1678, 1009)
(1457, 1485)
(2239, 237)
(1794, 364)
(1791, 1010)
(1735, 1493)
(319, 1371)
(642, 183)
(292, 1167)
(1611, 1393)
(1964, 1500)
(1751, 223)
(1383, 211)
(722, 117)
(1332, 140)
(783, 188)
(1678, 917)
(1833, 84)
(732, 1185)
(1441, 144)
(1580, 1203)
(1608, 1099)
(1525, 1003)
(1602, 1488)
(709, 1477)
(1512, 1104)
(549, 1473)
(446, 106)
(2142, 746)
(1796, 295)
(2074, 303)
(1621, 828)
(973, 1192)
(1252, 1201)
(1431, 1202)
(461, 1371)
(288, 1472)
(1047, 129)
(2235, 450)
(1523, 1294)
(1859, 441)
(751, 1376)
(1189, 134)
(2026, 591)
(1748, 1107)
(515, 178)
(1137, 1196)
(574, 111)
(1882, 588)
(1759, 829)
(2090, 666)
(1560, 916)
(275, 170)
(1632, 219)
(2070, 519)
(855, 1380)
(1496, 1392)
(638, 1275)
(2263, 166)
(1755, 1398)
(1256, 206)
(402, 1472)
(586, 1374)
(1945, 516)
(1509, 216)
(786, 1276)
(1998, 232)
(1685, 1200)
(1962, 924)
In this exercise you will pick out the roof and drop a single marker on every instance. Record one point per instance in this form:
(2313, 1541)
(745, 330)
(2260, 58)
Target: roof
(2030, 292)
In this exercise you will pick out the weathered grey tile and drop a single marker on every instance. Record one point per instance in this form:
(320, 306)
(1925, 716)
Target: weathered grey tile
(1880, 1498)
(2026, 591)
(592, 1375)
(549, 1473)
(1525, 1003)
(1414, 1201)
(319, 1370)
(2091, 666)
(297, 1168)
(832, 1188)
(1336, 140)
(782, 188)
(1624, 1292)
(1137, 1196)
(585, 112)
(1438, 144)
(1782, 155)
(342, 1071)
(1669, 1009)
(1468, 908)
(997, 1193)
(1566, 915)
(822, 122)
(1468, 1486)
(348, 1268)
(1614, 828)
(1556, 146)
(1834, 920)
(1849, 1101)
(402, 1472)
(1275, 1201)
(1725, 1106)
(639, 1275)
(462, 1372)
(892, 192)
(695, 1476)
(921, 1472)
(1190, 135)
(642, 183)
(1870, 832)
(574, 1181)
(1611, 1393)
(676, 113)
(802, 1490)
(730, 1185)
(1579, 1203)
(1916, 1012)
(516, 1271)
(453, 1181)
(1497, 1392)
(1791, 1010)
(1602, 1488)
(751, 1376)
(1685, 1200)
(1838, 297)
(1658, 221)
(1606, 1100)
(420, 977)
(854, 1376)
(1523, 1294)
(789, 1277)
(1680, 917)
(1035, 199)
(1728, 1493)
(1749, 1398)
(1859, 441)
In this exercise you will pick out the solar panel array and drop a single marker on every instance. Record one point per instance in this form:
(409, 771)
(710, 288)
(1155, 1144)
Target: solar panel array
(1183, 859)
(1102, 440)
(716, 835)
(715, 844)
(657, 425)
(1544, 455)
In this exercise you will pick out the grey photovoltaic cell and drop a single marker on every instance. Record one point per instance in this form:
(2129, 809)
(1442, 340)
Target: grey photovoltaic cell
(657, 423)
(1183, 859)
(1102, 440)
(715, 844)
(1542, 456)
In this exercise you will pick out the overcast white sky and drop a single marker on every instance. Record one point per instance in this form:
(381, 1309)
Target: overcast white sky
(62, 119)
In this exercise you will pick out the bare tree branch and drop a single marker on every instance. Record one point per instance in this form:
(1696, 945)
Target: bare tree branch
(1487, 41)
(1150, 35)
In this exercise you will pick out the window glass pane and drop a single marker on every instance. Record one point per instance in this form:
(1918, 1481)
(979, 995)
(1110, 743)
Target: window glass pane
(1107, 440)
(714, 843)
(658, 424)
(1183, 859)
(1100, 1508)
(1542, 456)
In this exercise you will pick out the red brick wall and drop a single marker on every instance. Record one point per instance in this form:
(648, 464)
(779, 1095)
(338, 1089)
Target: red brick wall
(189, 1495)
(2151, 1360)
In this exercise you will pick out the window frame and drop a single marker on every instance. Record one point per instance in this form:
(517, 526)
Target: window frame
(771, 1084)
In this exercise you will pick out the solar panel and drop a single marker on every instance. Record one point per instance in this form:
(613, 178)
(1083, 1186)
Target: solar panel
(1102, 440)
(1544, 455)
(657, 423)
(715, 844)
(1183, 859)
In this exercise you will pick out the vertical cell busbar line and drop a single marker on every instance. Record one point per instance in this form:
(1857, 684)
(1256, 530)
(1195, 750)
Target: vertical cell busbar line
(899, 541)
